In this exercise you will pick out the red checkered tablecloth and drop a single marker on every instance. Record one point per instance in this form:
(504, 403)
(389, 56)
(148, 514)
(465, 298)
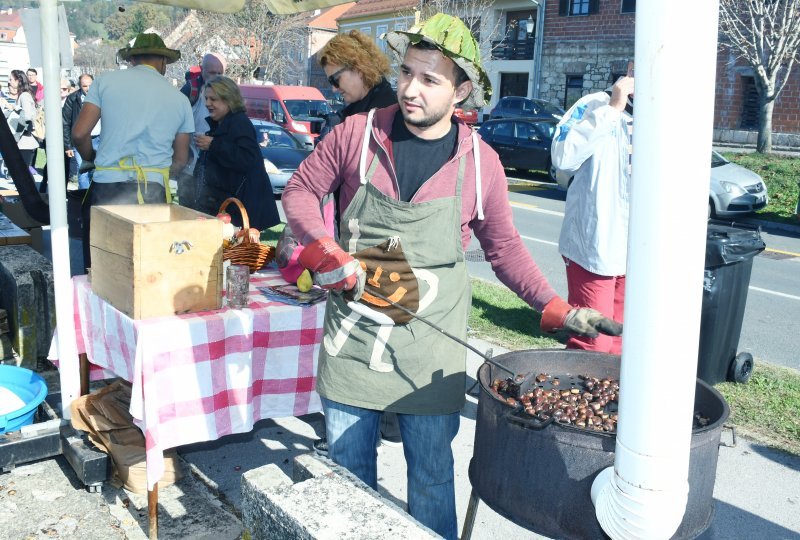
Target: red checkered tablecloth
(200, 376)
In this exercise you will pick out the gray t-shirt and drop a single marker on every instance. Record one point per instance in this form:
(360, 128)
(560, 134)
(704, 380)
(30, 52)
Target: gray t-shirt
(141, 114)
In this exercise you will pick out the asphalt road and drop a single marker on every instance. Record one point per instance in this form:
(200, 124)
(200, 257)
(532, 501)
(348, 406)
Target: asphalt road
(772, 317)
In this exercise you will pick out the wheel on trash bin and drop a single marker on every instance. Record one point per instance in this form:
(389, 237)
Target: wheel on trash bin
(741, 368)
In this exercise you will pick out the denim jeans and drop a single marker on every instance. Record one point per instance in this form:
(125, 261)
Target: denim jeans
(84, 178)
(352, 439)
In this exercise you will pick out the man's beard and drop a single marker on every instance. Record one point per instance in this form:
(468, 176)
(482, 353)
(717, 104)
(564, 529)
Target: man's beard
(428, 120)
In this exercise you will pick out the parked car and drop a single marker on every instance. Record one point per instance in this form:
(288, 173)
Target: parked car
(281, 151)
(515, 106)
(733, 190)
(299, 109)
(468, 116)
(522, 143)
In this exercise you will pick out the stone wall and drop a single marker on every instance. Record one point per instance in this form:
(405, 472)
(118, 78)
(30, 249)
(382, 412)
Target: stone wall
(27, 295)
(595, 60)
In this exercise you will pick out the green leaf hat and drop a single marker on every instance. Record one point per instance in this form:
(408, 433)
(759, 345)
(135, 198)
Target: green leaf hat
(451, 36)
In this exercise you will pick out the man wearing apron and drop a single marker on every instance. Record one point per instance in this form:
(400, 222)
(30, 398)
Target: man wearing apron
(415, 181)
(147, 124)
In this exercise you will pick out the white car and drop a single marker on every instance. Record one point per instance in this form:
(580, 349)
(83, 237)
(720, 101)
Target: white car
(734, 190)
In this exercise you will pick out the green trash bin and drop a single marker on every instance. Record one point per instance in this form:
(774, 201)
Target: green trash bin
(730, 248)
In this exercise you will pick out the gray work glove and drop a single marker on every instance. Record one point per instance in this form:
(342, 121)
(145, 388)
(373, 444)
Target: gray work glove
(590, 322)
(354, 294)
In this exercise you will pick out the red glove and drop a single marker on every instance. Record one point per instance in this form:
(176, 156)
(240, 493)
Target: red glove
(332, 267)
(554, 314)
(581, 321)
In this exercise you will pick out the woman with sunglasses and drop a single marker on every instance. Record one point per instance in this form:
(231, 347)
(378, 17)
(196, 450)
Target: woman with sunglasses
(356, 68)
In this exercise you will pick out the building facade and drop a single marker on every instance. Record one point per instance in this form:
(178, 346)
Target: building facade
(587, 44)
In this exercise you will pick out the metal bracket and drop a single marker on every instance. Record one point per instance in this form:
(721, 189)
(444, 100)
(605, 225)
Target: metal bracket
(733, 436)
(180, 247)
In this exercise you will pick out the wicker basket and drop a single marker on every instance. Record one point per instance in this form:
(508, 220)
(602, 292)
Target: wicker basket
(253, 254)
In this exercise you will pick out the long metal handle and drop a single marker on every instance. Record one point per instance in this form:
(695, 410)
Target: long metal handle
(441, 330)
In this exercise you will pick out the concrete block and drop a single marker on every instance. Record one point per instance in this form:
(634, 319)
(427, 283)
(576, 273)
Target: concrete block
(740, 137)
(326, 502)
(27, 294)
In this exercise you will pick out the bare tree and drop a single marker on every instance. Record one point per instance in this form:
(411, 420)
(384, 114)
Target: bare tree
(766, 35)
(255, 38)
(95, 56)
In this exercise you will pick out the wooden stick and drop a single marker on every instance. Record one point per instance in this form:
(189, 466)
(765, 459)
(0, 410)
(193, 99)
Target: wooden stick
(84, 373)
(469, 519)
(152, 513)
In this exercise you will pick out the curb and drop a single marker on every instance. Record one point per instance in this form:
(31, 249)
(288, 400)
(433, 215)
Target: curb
(772, 225)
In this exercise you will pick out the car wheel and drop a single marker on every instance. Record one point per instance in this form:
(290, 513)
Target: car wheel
(711, 211)
(551, 171)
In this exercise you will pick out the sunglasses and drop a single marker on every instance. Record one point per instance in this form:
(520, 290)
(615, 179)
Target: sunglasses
(334, 79)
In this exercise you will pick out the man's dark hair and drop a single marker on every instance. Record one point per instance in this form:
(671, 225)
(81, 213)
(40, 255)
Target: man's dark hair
(85, 75)
(34, 71)
(460, 74)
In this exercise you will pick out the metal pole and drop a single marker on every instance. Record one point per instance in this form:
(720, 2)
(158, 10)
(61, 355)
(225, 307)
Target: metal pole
(57, 189)
(645, 494)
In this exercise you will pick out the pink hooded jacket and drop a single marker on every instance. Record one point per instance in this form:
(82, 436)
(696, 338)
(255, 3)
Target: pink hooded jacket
(334, 164)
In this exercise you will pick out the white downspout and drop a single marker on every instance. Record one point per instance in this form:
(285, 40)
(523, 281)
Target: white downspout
(537, 49)
(59, 238)
(645, 494)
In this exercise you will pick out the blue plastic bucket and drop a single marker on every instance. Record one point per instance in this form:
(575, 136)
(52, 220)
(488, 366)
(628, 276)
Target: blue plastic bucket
(29, 387)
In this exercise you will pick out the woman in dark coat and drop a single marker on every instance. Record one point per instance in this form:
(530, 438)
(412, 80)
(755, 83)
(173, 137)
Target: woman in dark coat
(230, 162)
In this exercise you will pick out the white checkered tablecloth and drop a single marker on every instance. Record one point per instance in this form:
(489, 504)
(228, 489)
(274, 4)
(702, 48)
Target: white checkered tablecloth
(200, 376)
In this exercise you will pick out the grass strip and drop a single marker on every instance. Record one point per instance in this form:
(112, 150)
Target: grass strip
(782, 176)
(766, 409)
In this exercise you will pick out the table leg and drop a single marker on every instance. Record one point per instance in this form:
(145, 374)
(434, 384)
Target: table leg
(152, 513)
(84, 373)
(469, 519)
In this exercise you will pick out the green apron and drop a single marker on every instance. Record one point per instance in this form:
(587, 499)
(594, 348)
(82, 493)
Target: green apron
(379, 358)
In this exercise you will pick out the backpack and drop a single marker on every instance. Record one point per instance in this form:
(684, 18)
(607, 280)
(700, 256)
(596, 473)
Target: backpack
(38, 124)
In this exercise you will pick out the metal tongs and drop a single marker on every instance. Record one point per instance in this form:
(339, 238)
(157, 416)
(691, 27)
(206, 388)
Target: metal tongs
(442, 331)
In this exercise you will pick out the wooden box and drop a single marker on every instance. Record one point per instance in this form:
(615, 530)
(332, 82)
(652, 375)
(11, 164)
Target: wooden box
(152, 260)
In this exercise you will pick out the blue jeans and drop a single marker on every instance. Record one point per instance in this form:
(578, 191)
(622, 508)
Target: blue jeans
(83, 178)
(353, 434)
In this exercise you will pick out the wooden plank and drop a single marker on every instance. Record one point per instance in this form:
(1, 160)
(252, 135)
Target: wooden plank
(11, 235)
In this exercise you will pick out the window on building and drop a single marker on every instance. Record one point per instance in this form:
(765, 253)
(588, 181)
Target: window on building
(573, 90)
(628, 6)
(366, 30)
(379, 31)
(517, 23)
(578, 7)
(749, 118)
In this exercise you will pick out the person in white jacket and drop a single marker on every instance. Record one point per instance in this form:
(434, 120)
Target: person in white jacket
(593, 143)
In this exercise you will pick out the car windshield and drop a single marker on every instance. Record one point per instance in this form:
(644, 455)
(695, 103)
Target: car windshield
(717, 160)
(548, 108)
(299, 108)
(275, 137)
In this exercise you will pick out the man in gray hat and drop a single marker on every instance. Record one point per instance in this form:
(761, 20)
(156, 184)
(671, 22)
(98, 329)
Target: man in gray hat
(147, 124)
